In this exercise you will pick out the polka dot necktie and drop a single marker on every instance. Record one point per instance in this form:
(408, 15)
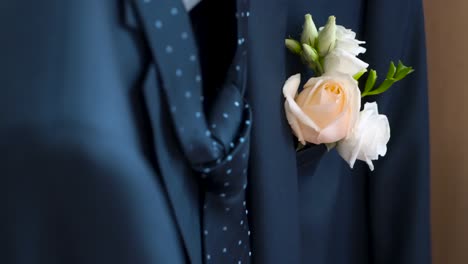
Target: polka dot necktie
(216, 143)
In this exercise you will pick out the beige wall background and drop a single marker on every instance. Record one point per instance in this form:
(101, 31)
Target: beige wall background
(447, 41)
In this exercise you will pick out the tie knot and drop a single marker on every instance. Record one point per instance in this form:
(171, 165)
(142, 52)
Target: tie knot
(227, 176)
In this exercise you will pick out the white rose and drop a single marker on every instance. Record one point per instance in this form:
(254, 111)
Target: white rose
(368, 139)
(343, 58)
(346, 40)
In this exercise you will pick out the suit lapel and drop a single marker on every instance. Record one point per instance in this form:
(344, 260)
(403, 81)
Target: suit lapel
(180, 183)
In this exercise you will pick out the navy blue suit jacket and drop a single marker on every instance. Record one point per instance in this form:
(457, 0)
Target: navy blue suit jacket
(90, 170)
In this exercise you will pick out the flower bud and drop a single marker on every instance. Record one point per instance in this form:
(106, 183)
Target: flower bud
(309, 33)
(327, 37)
(293, 46)
(311, 57)
(310, 54)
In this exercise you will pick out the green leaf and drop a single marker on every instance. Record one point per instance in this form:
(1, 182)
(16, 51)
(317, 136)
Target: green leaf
(394, 75)
(403, 73)
(358, 75)
(391, 70)
(383, 87)
(400, 66)
(371, 79)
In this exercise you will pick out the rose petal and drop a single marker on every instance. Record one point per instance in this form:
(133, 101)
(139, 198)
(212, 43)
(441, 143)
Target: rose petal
(292, 85)
(289, 91)
(353, 101)
(310, 134)
(294, 123)
(323, 107)
(303, 118)
(310, 88)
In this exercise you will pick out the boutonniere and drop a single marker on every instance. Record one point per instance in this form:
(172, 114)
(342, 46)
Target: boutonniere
(328, 108)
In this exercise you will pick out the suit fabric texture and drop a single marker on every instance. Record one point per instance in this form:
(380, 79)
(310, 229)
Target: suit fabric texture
(91, 170)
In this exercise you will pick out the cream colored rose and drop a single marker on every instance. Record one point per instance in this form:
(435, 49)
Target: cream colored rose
(326, 110)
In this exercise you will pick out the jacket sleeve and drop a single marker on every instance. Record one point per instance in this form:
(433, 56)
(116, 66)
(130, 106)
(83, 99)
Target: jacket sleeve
(399, 188)
(81, 199)
(76, 183)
